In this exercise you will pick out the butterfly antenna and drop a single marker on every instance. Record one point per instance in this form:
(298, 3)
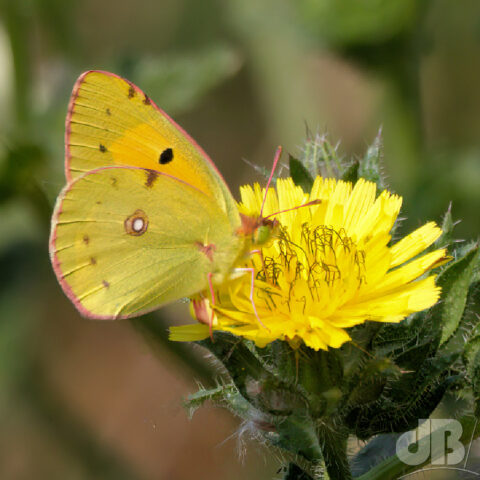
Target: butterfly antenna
(278, 153)
(311, 203)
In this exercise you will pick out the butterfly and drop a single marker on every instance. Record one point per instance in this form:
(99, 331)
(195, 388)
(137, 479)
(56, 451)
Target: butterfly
(145, 218)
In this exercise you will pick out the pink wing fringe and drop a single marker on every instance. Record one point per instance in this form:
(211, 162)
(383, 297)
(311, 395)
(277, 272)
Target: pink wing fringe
(58, 209)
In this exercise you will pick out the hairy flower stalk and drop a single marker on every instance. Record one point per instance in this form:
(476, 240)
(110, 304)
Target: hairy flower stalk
(329, 267)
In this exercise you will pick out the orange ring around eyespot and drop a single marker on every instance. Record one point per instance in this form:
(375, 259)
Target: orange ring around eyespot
(137, 223)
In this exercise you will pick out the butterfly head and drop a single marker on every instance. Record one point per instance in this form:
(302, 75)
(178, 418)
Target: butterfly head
(260, 230)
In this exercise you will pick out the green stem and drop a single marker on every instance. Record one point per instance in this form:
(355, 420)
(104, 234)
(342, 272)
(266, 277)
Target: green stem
(334, 449)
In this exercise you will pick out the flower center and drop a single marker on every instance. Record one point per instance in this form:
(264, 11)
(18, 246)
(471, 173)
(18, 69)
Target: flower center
(317, 268)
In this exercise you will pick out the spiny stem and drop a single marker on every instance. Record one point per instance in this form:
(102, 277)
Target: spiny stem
(334, 449)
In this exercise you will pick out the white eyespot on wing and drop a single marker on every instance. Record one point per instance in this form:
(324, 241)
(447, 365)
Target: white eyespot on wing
(137, 223)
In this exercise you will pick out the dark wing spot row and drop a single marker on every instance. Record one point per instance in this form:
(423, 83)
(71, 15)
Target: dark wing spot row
(102, 148)
(131, 92)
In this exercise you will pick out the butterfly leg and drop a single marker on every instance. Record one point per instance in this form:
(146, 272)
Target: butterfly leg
(259, 252)
(212, 301)
(252, 271)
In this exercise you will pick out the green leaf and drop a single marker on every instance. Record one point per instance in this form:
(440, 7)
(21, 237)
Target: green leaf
(392, 339)
(470, 354)
(351, 172)
(414, 356)
(415, 394)
(369, 167)
(387, 415)
(476, 386)
(446, 238)
(195, 400)
(227, 396)
(370, 383)
(300, 174)
(469, 326)
(471, 358)
(454, 281)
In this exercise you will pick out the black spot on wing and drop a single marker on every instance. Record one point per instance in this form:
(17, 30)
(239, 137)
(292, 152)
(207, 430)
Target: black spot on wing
(93, 261)
(131, 92)
(108, 112)
(105, 284)
(152, 175)
(166, 156)
(102, 148)
(146, 100)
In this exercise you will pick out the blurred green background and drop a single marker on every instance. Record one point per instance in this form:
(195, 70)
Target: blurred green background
(93, 400)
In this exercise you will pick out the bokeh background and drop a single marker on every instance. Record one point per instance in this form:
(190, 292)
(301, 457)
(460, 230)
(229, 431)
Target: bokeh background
(103, 400)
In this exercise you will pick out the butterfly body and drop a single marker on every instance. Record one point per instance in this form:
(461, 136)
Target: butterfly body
(145, 217)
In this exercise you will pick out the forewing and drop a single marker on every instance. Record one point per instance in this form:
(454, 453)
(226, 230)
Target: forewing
(112, 122)
(127, 240)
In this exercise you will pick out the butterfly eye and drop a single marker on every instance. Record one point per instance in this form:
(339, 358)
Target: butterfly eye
(137, 223)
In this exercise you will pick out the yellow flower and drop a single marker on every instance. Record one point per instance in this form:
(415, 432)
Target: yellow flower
(330, 266)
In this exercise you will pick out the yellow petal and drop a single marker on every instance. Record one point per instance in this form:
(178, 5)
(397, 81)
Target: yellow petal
(188, 333)
(359, 203)
(410, 271)
(414, 243)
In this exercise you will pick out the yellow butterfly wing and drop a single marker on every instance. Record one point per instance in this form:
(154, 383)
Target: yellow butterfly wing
(110, 121)
(126, 240)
